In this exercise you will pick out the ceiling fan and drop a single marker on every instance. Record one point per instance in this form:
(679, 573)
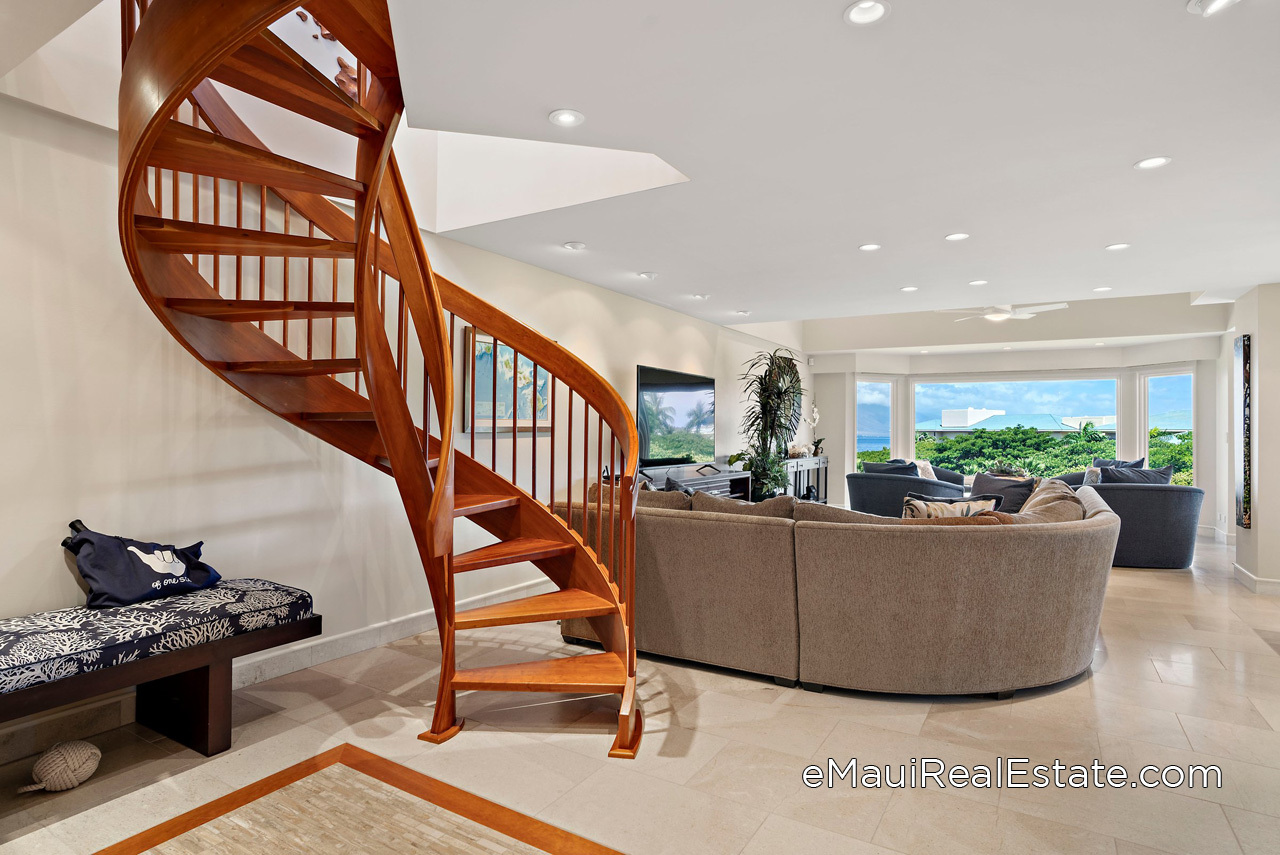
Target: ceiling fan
(1004, 313)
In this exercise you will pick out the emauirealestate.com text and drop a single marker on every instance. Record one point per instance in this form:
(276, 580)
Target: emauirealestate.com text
(1013, 773)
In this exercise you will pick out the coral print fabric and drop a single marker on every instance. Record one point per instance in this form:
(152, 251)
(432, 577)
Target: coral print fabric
(50, 646)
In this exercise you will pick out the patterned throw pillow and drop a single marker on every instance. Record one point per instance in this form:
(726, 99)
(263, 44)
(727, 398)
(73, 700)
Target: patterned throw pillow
(918, 507)
(1092, 475)
(925, 469)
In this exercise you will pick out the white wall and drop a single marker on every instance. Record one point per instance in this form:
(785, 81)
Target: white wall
(110, 420)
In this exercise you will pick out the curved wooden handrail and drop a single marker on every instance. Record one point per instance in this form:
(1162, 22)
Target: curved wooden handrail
(566, 365)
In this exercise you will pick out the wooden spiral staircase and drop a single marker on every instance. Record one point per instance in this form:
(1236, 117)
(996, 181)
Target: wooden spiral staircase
(332, 318)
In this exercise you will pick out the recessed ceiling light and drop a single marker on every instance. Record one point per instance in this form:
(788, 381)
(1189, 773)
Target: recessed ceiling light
(1006, 348)
(648, 274)
(869, 247)
(575, 245)
(1102, 289)
(958, 236)
(908, 288)
(978, 282)
(1153, 162)
(743, 312)
(1116, 247)
(1099, 344)
(866, 12)
(1206, 8)
(924, 351)
(566, 118)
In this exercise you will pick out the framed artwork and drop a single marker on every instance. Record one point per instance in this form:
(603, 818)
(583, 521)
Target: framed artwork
(517, 405)
(1244, 424)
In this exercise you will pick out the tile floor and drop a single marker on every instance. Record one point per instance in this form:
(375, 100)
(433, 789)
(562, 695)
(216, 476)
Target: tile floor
(1187, 671)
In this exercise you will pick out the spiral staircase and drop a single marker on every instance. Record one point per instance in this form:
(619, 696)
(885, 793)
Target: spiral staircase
(328, 314)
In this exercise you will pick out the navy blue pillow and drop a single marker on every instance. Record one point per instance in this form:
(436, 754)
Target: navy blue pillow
(1112, 475)
(122, 572)
(892, 469)
(1104, 463)
(1015, 491)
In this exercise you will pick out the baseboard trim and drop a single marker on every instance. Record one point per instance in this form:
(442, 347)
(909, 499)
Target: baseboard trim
(31, 735)
(1255, 584)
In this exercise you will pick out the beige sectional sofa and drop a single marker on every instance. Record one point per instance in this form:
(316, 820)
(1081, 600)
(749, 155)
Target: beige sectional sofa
(878, 604)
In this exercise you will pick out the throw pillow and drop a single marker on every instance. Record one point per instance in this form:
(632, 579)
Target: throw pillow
(941, 474)
(1052, 502)
(925, 468)
(1105, 463)
(918, 507)
(1092, 475)
(1111, 475)
(1014, 491)
(1073, 479)
(892, 469)
(780, 507)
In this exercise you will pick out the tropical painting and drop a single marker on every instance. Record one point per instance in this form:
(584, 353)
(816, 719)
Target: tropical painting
(518, 405)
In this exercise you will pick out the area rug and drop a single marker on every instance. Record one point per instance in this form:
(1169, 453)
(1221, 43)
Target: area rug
(348, 800)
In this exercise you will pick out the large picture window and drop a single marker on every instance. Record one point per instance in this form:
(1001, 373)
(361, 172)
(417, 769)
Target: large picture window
(875, 421)
(1040, 427)
(1170, 402)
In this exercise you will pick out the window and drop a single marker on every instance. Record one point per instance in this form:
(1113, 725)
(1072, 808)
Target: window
(875, 421)
(1170, 402)
(1036, 427)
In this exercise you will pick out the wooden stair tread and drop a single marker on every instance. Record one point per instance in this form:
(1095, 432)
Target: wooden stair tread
(187, 149)
(596, 672)
(269, 69)
(509, 552)
(569, 603)
(260, 310)
(385, 463)
(208, 239)
(466, 504)
(340, 416)
(293, 367)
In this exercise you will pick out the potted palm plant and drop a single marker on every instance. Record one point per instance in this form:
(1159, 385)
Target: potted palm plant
(774, 393)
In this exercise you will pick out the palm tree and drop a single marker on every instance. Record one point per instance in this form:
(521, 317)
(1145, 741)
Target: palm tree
(700, 416)
(657, 414)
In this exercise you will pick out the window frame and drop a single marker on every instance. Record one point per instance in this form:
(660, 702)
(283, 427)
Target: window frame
(1144, 374)
(894, 381)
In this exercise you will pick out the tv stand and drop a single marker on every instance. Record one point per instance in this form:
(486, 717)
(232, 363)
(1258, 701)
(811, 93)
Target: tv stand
(708, 478)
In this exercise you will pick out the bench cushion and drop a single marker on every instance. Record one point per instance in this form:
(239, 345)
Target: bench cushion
(42, 648)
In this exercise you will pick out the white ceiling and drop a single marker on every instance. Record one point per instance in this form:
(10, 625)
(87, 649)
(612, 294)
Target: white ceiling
(26, 26)
(803, 137)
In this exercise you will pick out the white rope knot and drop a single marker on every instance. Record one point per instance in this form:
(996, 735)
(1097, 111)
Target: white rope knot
(64, 766)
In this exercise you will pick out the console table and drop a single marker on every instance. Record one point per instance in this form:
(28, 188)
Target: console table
(807, 473)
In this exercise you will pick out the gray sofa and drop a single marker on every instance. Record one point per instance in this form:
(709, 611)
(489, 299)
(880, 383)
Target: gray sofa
(882, 494)
(1158, 523)
(883, 605)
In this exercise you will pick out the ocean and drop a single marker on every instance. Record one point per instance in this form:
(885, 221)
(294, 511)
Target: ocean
(872, 443)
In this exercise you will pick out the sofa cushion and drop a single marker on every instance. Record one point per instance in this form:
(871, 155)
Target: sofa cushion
(42, 648)
(667, 499)
(780, 507)
(647, 497)
(917, 506)
(892, 469)
(814, 512)
(1107, 463)
(1014, 491)
(1111, 475)
(1053, 502)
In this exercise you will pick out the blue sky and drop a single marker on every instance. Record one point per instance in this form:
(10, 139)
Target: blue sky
(1056, 397)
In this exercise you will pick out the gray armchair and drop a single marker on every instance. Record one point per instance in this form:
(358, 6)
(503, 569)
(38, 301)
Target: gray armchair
(882, 495)
(1158, 523)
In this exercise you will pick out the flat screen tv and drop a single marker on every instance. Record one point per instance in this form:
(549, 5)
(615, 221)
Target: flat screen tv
(675, 416)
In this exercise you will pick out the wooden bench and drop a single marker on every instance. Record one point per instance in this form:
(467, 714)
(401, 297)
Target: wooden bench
(184, 692)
